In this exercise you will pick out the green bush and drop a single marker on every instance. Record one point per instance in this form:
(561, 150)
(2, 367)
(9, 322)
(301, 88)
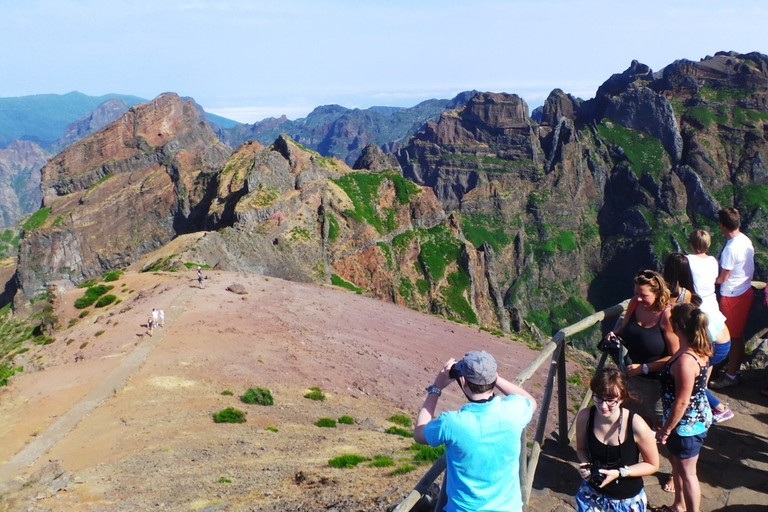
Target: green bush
(349, 460)
(315, 393)
(83, 314)
(347, 420)
(6, 372)
(272, 429)
(112, 276)
(401, 419)
(382, 461)
(424, 453)
(229, 415)
(405, 468)
(92, 294)
(227, 392)
(105, 300)
(326, 423)
(37, 219)
(224, 480)
(399, 432)
(258, 396)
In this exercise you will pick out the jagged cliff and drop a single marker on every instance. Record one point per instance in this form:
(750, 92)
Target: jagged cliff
(333, 130)
(485, 215)
(20, 164)
(121, 192)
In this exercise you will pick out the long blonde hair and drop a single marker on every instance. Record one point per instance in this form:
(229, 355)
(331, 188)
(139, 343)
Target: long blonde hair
(693, 323)
(656, 285)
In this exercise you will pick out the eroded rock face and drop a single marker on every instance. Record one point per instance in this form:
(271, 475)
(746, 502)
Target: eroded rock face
(20, 164)
(122, 192)
(100, 117)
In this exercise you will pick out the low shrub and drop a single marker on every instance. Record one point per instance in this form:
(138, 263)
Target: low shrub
(326, 422)
(227, 392)
(229, 415)
(382, 461)
(258, 396)
(92, 294)
(347, 420)
(348, 460)
(224, 480)
(405, 468)
(315, 393)
(83, 314)
(105, 300)
(399, 432)
(401, 419)
(424, 453)
(113, 276)
(272, 429)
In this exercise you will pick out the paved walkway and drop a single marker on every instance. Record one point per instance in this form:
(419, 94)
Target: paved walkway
(733, 466)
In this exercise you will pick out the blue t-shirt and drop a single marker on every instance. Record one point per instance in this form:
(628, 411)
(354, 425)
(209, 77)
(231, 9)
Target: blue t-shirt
(482, 448)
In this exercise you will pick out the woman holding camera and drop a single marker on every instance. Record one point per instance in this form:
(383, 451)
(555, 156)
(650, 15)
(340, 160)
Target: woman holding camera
(687, 415)
(609, 441)
(650, 341)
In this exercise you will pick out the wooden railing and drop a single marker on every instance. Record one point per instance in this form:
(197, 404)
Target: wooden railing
(554, 351)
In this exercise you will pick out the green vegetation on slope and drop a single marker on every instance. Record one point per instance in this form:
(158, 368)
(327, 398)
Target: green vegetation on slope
(645, 153)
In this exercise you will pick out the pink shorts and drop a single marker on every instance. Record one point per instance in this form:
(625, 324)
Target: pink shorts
(736, 311)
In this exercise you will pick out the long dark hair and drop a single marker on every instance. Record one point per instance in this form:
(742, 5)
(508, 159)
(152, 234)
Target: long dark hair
(677, 273)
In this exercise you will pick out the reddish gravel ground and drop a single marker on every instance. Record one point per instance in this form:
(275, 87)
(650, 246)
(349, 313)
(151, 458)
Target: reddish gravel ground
(151, 443)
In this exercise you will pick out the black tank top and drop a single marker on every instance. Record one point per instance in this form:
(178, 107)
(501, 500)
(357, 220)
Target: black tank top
(614, 457)
(644, 345)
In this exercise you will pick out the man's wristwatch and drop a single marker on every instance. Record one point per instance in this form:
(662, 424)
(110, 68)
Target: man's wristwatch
(623, 472)
(645, 369)
(434, 389)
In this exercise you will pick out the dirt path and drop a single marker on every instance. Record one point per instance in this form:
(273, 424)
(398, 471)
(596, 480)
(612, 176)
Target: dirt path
(130, 425)
(115, 381)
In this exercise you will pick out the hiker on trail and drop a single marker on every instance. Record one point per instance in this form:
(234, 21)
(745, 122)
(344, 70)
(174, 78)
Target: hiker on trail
(482, 440)
(610, 437)
(162, 318)
(646, 333)
(737, 265)
(679, 276)
(687, 415)
(200, 277)
(155, 317)
(150, 325)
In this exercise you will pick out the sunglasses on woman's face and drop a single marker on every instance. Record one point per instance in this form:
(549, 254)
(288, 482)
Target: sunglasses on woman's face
(610, 402)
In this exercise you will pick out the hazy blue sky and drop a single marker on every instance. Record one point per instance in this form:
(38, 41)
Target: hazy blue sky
(248, 60)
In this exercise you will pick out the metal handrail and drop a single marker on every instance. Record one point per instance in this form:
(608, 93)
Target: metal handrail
(555, 350)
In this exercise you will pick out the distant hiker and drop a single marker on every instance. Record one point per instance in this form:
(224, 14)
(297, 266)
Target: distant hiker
(200, 277)
(737, 265)
(162, 318)
(150, 325)
(155, 317)
(482, 440)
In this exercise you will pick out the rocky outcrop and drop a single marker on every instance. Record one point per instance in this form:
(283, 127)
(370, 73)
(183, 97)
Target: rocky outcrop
(333, 130)
(374, 159)
(94, 121)
(122, 192)
(20, 164)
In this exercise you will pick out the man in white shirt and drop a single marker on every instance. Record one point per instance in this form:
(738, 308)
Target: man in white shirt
(737, 265)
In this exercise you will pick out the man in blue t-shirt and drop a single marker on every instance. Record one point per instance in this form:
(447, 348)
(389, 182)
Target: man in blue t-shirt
(482, 440)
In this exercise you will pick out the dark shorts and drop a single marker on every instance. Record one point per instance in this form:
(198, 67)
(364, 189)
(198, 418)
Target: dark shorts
(685, 447)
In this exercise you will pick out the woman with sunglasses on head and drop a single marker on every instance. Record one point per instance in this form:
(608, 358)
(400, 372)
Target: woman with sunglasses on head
(609, 441)
(647, 335)
(687, 415)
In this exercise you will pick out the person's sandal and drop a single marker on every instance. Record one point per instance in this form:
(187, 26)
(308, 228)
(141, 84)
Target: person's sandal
(669, 486)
